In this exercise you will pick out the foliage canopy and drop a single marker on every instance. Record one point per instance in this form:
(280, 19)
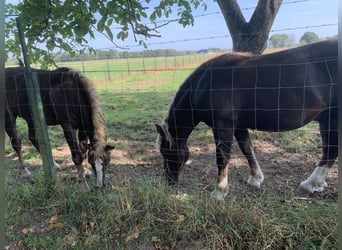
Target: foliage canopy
(67, 25)
(281, 40)
(309, 37)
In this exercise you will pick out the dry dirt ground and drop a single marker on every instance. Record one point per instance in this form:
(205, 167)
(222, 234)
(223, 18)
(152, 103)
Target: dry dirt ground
(283, 170)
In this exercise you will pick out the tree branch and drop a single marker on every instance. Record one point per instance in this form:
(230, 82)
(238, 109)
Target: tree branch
(250, 36)
(232, 14)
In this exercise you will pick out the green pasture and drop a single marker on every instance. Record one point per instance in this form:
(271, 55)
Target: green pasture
(136, 210)
(114, 70)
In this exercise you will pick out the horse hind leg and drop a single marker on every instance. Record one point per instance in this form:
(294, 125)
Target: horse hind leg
(16, 145)
(316, 181)
(256, 177)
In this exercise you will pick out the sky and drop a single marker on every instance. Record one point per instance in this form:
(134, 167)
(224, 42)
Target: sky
(295, 17)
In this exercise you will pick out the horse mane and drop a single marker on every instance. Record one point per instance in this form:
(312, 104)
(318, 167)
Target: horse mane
(224, 59)
(98, 117)
(165, 127)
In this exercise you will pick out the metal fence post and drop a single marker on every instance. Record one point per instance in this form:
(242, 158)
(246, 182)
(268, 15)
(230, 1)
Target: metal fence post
(33, 92)
(2, 126)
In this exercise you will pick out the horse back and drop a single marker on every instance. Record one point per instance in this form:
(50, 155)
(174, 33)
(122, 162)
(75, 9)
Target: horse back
(273, 92)
(63, 97)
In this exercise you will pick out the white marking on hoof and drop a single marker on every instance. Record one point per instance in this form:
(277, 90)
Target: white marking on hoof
(219, 194)
(256, 180)
(188, 162)
(316, 181)
(88, 172)
(85, 187)
(99, 172)
(222, 190)
(26, 174)
(56, 165)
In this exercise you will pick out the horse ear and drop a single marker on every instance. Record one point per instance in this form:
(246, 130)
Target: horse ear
(21, 63)
(160, 130)
(109, 147)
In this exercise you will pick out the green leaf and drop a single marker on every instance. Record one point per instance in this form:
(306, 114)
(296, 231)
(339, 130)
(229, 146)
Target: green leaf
(109, 32)
(72, 54)
(101, 24)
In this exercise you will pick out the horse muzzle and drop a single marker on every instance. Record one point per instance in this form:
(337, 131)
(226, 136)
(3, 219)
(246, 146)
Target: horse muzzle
(171, 178)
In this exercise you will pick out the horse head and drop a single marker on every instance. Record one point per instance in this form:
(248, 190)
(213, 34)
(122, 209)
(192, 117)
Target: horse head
(99, 162)
(174, 152)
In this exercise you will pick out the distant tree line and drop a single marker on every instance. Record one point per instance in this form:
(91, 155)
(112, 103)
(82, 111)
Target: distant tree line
(114, 54)
(285, 40)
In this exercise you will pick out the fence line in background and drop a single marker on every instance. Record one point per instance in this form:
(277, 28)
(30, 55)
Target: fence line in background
(115, 69)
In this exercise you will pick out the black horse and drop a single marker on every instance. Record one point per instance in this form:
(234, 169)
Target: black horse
(236, 92)
(69, 99)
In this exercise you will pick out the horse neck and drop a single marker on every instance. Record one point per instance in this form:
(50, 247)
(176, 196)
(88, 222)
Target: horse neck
(181, 128)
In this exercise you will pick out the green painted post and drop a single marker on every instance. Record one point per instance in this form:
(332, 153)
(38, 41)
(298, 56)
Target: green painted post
(33, 92)
(3, 198)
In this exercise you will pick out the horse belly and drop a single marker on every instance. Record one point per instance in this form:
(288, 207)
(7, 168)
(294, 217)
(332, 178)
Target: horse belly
(276, 109)
(274, 120)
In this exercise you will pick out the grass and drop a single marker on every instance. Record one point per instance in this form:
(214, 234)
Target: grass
(152, 215)
(137, 211)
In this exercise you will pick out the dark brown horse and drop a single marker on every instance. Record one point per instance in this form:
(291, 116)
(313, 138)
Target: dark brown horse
(70, 100)
(236, 92)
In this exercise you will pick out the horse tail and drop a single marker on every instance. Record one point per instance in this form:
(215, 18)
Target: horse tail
(98, 116)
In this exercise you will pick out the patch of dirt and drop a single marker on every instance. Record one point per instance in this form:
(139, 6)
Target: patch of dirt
(283, 170)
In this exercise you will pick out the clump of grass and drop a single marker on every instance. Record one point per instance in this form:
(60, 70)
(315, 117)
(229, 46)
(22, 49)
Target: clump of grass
(149, 214)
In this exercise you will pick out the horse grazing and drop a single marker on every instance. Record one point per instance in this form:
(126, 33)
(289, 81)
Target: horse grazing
(69, 99)
(236, 92)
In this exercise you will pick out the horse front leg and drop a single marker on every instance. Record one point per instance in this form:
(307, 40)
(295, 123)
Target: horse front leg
(83, 144)
(76, 153)
(256, 177)
(10, 126)
(223, 140)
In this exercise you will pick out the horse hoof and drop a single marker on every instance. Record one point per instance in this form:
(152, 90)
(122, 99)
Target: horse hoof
(100, 184)
(219, 194)
(88, 173)
(255, 181)
(85, 188)
(29, 179)
(57, 166)
(26, 175)
(172, 179)
(311, 188)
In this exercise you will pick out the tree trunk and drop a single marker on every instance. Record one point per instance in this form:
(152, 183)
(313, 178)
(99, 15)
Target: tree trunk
(250, 36)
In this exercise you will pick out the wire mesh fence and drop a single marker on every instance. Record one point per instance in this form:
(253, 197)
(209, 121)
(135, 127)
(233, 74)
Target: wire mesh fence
(135, 94)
